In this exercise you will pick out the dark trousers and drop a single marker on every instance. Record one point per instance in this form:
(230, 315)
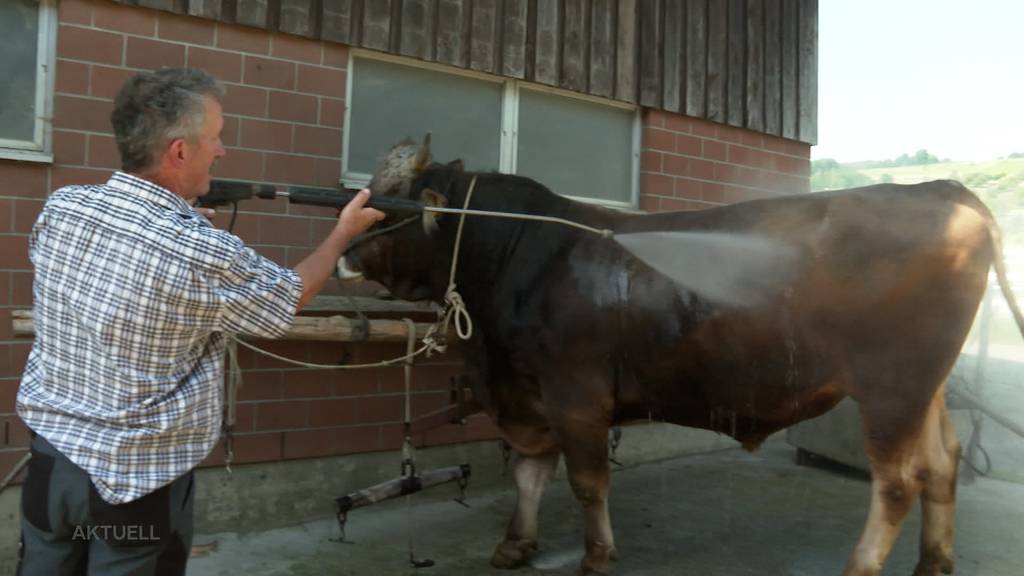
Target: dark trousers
(68, 529)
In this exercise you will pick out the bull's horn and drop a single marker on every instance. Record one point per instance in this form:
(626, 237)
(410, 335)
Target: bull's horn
(345, 273)
(422, 155)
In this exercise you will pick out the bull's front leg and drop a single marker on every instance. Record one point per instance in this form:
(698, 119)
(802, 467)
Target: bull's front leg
(532, 474)
(585, 445)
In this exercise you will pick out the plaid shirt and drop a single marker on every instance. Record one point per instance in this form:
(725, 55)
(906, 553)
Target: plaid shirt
(132, 293)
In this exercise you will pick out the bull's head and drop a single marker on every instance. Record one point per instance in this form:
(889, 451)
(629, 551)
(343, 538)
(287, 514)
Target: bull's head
(405, 259)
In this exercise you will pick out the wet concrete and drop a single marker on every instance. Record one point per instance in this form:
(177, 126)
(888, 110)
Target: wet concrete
(727, 513)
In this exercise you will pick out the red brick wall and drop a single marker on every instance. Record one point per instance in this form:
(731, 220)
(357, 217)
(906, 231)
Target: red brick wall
(691, 163)
(283, 119)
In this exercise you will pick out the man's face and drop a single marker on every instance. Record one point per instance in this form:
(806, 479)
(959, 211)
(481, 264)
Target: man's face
(204, 152)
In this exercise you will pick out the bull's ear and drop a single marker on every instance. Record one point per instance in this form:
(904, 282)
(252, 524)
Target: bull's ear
(422, 158)
(456, 165)
(431, 198)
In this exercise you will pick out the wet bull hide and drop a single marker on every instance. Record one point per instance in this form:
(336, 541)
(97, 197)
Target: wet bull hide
(573, 334)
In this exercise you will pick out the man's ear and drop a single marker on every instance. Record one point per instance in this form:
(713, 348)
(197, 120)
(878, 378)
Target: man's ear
(431, 198)
(177, 152)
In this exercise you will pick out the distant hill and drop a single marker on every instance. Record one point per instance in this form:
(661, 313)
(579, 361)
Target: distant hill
(1000, 183)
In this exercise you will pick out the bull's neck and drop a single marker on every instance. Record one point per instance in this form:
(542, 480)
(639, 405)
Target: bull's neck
(492, 247)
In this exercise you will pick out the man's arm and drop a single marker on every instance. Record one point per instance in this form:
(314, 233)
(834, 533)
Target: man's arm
(316, 268)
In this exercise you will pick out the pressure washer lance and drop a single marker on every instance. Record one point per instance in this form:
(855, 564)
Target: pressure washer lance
(731, 268)
(223, 192)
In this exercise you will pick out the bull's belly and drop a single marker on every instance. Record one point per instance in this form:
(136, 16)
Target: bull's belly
(746, 405)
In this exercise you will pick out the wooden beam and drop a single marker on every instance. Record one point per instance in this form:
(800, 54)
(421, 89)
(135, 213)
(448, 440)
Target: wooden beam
(366, 304)
(328, 329)
(345, 329)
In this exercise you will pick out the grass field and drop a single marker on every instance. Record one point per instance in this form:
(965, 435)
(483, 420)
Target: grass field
(1001, 173)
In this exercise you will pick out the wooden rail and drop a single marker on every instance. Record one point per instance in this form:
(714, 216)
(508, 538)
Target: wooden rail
(324, 328)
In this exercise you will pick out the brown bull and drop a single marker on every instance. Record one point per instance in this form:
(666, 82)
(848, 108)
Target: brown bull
(574, 334)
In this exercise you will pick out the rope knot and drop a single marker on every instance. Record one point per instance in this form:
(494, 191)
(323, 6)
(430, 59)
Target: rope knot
(434, 341)
(463, 323)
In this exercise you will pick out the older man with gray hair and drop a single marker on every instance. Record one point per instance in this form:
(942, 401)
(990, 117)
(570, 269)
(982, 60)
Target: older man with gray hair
(133, 292)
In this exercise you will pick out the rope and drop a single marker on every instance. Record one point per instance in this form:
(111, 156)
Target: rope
(231, 386)
(425, 348)
(369, 235)
(453, 300)
(603, 232)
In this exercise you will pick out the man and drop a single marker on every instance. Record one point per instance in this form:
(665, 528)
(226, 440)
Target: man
(133, 292)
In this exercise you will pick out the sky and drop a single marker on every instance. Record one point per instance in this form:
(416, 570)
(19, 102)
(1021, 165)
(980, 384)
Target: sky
(896, 76)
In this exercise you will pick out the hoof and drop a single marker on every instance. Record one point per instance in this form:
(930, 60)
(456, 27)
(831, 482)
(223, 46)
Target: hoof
(513, 553)
(596, 563)
(587, 571)
(934, 567)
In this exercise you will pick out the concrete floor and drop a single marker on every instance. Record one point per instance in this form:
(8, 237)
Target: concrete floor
(725, 513)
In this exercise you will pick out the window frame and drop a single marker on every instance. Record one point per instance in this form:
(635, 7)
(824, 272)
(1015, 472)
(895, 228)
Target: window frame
(40, 149)
(508, 138)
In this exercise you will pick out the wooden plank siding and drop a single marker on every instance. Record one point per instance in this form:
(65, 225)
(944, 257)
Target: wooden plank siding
(696, 49)
(747, 63)
(717, 65)
(735, 63)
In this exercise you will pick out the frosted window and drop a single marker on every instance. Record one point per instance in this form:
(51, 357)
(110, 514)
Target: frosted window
(575, 147)
(19, 41)
(391, 102)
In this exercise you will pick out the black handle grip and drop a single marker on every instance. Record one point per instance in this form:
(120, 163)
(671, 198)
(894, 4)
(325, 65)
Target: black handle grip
(339, 198)
(229, 191)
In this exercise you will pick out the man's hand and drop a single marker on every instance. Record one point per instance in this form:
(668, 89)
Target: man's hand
(314, 269)
(208, 213)
(355, 218)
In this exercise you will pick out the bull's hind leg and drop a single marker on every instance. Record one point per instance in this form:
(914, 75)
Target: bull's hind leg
(893, 491)
(532, 474)
(939, 452)
(908, 460)
(585, 442)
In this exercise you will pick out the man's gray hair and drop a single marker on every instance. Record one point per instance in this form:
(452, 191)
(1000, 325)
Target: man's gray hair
(153, 108)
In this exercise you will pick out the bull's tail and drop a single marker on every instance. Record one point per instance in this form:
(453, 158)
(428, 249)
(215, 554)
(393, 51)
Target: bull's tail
(1000, 267)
